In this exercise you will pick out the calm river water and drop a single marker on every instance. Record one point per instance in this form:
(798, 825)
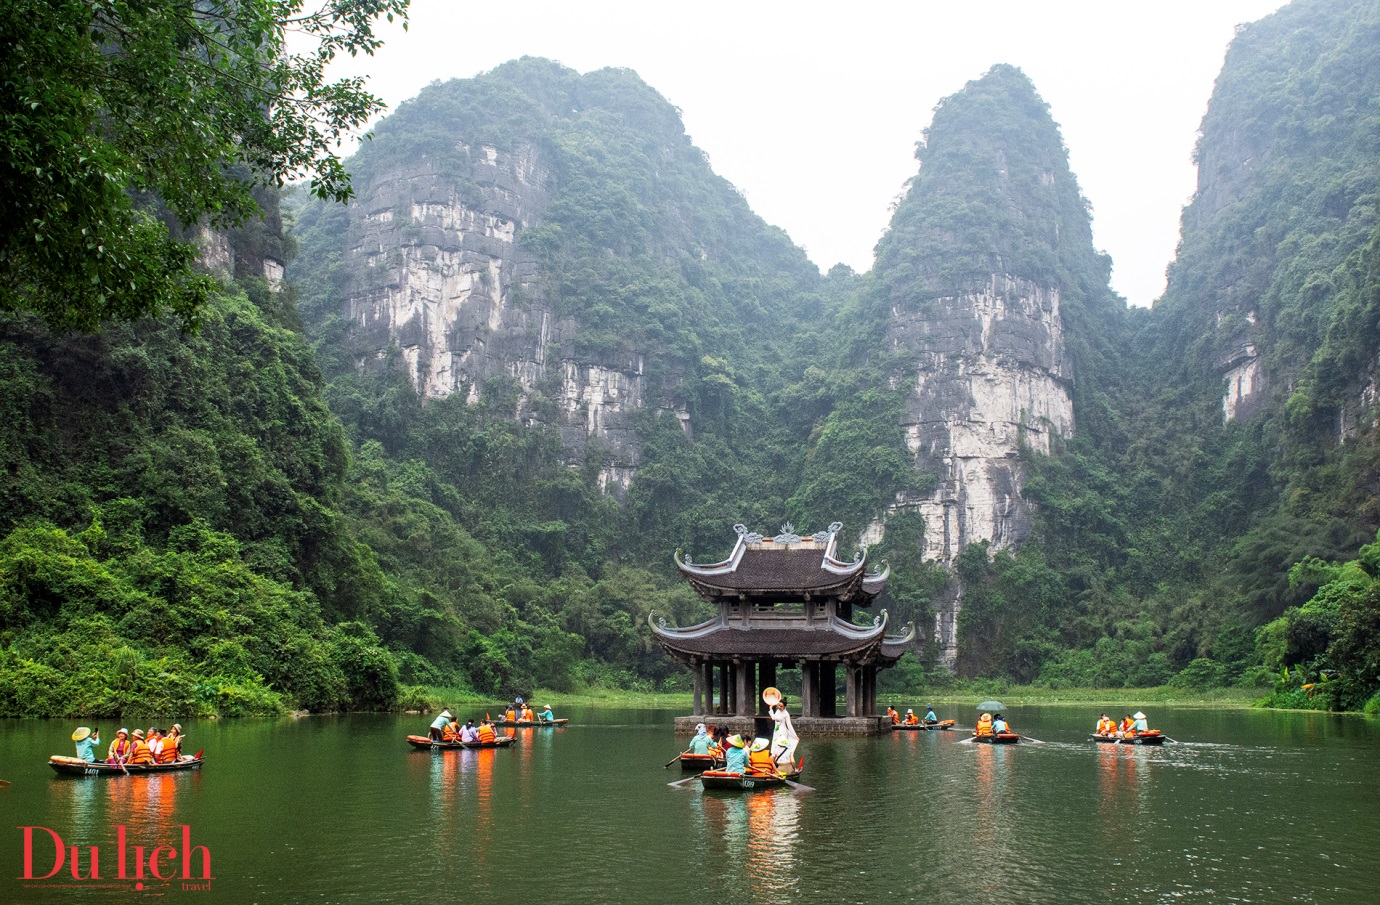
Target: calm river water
(1249, 807)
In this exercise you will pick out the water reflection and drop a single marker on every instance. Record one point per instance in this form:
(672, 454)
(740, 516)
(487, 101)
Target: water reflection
(753, 837)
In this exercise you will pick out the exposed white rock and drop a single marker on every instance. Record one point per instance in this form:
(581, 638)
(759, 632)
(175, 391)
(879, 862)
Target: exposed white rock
(1243, 382)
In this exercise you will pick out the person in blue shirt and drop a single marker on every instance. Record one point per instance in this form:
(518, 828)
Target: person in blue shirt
(701, 742)
(438, 726)
(85, 739)
(929, 715)
(547, 716)
(736, 755)
(999, 725)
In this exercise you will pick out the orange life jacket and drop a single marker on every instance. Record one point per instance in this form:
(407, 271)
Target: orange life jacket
(1128, 727)
(762, 761)
(1105, 727)
(142, 753)
(119, 750)
(487, 734)
(171, 748)
(527, 715)
(912, 720)
(510, 715)
(984, 726)
(895, 717)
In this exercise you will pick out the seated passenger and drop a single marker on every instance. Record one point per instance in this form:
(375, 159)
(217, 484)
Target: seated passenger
(547, 715)
(893, 715)
(929, 715)
(527, 715)
(155, 739)
(1127, 729)
(701, 743)
(911, 718)
(487, 735)
(468, 734)
(142, 754)
(984, 726)
(172, 745)
(735, 754)
(510, 715)
(120, 749)
(760, 760)
(1105, 726)
(1140, 725)
(999, 725)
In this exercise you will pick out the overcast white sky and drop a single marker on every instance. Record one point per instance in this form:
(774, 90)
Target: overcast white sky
(812, 110)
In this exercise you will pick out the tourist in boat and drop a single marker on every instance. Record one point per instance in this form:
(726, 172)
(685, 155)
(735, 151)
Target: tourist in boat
(85, 739)
(120, 749)
(487, 735)
(546, 715)
(468, 734)
(984, 725)
(760, 760)
(438, 726)
(1127, 729)
(154, 737)
(1141, 723)
(701, 742)
(1105, 726)
(911, 718)
(142, 755)
(929, 715)
(999, 725)
(893, 715)
(735, 754)
(172, 745)
(510, 715)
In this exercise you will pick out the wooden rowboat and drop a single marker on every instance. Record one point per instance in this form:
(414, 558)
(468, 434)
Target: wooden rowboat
(530, 724)
(424, 743)
(75, 766)
(722, 780)
(1149, 737)
(999, 738)
(698, 763)
(921, 727)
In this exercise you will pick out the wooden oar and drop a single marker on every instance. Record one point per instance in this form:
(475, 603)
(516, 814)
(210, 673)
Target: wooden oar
(671, 761)
(3, 783)
(680, 782)
(799, 786)
(1032, 740)
(968, 741)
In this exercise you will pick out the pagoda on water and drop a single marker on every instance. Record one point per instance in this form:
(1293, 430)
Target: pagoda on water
(786, 601)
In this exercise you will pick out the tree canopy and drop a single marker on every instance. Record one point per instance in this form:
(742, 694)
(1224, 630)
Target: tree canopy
(120, 118)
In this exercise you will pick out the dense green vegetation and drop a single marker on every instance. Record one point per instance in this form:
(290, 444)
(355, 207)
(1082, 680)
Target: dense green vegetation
(242, 520)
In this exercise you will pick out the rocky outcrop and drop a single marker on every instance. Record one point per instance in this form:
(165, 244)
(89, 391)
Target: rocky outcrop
(991, 376)
(443, 280)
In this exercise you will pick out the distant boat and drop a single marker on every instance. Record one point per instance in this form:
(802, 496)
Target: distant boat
(1148, 737)
(997, 738)
(422, 742)
(530, 724)
(722, 780)
(922, 726)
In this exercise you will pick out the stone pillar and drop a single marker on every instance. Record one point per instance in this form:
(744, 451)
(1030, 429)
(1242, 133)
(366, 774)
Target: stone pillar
(809, 688)
(870, 694)
(723, 690)
(707, 683)
(697, 681)
(828, 688)
(851, 691)
(742, 698)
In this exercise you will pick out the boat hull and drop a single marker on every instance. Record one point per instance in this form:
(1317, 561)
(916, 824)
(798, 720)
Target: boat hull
(531, 724)
(698, 763)
(1154, 737)
(75, 766)
(1000, 738)
(941, 726)
(422, 743)
(722, 781)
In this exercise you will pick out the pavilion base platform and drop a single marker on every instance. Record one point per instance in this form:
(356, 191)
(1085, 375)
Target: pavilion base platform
(805, 726)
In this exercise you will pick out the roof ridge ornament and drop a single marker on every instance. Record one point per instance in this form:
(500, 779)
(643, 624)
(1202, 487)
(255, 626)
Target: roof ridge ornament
(787, 535)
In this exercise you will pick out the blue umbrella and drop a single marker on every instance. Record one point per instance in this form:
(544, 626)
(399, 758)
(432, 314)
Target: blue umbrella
(991, 705)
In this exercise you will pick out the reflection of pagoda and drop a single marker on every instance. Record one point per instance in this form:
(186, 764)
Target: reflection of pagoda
(785, 601)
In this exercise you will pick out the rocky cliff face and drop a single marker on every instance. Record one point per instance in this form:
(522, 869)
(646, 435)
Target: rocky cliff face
(439, 275)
